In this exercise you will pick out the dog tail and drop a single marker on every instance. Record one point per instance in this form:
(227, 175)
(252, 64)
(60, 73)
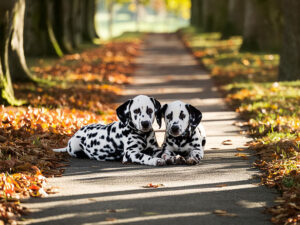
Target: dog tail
(60, 149)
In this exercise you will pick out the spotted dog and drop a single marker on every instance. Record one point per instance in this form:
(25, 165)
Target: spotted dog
(131, 139)
(185, 137)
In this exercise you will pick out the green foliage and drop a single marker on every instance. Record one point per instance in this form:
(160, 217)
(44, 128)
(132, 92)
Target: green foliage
(271, 108)
(179, 7)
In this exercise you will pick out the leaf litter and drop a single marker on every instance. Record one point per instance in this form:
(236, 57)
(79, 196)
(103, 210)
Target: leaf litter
(271, 111)
(80, 90)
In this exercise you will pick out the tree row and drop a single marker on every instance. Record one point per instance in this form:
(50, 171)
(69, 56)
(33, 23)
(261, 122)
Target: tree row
(266, 25)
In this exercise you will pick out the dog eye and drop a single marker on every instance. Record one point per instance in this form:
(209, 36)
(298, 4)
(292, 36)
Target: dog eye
(149, 111)
(137, 111)
(181, 116)
(169, 117)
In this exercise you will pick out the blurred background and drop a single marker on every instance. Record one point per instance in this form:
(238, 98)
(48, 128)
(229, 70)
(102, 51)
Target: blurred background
(115, 17)
(51, 28)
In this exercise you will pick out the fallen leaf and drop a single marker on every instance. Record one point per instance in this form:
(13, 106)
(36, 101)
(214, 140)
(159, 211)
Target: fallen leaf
(220, 212)
(110, 219)
(214, 148)
(227, 142)
(111, 210)
(221, 185)
(2, 138)
(150, 185)
(241, 149)
(244, 156)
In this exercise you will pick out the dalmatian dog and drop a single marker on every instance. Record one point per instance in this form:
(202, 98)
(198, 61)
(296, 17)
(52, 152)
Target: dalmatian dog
(131, 139)
(185, 137)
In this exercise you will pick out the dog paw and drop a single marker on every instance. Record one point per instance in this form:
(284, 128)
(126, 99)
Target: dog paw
(169, 159)
(179, 160)
(192, 161)
(160, 162)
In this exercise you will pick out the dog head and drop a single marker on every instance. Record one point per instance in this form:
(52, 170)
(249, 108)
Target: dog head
(139, 112)
(180, 117)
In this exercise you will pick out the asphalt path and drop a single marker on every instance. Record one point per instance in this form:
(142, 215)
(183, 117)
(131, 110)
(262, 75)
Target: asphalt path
(221, 190)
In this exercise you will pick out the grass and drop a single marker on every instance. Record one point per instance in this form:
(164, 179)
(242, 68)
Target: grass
(272, 109)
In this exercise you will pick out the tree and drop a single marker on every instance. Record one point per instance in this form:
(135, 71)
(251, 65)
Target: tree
(235, 19)
(262, 25)
(51, 26)
(58, 26)
(89, 31)
(215, 14)
(39, 36)
(196, 13)
(289, 68)
(10, 11)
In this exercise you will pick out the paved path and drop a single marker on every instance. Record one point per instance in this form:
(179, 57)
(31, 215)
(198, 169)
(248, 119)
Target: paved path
(91, 191)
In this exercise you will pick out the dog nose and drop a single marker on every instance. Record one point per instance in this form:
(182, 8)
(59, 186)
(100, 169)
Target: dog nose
(175, 129)
(145, 124)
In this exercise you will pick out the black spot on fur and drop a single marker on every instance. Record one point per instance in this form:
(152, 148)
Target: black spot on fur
(139, 156)
(133, 146)
(119, 135)
(126, 132)
(170, 116)
(102, 157)
(81, 155)
(152, 141)
(92, 135)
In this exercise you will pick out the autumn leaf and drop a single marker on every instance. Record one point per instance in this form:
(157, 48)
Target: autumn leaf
(86, 85)
(220, 212)
(227, 142)
(111, 210)
(244, 156)
(110, 219)
(150, 185)
(271, 111)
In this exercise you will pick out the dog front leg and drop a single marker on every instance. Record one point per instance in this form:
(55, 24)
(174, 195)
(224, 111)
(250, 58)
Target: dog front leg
(194, 157)
(168, 155)
(135, 156)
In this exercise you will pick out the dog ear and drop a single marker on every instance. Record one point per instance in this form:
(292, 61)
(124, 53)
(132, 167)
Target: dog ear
(123, 112)
(161, 114)
(195, 116)
(157, 107)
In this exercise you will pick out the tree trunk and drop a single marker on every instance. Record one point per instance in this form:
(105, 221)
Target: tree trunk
(111, 17)
(39, 37)
(289, 68)
(77, 22)
(262, 27)
(89, 30)
(197, 13)
(50, 23)
(17, 63)
(65, 16)
(214, 15)
(235, 20)
(7, 15)
(208, 6)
